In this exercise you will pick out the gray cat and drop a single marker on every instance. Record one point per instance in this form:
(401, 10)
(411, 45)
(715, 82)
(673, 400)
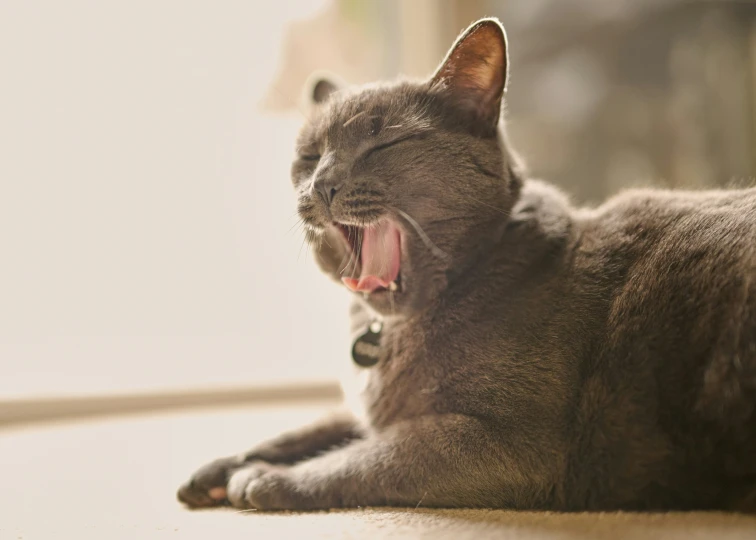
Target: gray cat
(531, 355)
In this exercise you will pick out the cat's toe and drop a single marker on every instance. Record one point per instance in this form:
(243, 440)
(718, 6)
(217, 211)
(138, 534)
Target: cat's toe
(255, 486)
(272, 491)
(194, 497)
(207, 487)
(236, 490)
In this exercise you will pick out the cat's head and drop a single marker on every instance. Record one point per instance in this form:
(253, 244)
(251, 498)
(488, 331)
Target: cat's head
(403, 186)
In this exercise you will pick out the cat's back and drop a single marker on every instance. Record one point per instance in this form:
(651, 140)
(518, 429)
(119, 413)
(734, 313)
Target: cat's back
(638, 215)
(676, 355)
(682, 263)
(700, 239)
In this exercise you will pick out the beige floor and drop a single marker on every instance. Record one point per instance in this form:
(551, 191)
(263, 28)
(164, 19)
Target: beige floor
(115, 478)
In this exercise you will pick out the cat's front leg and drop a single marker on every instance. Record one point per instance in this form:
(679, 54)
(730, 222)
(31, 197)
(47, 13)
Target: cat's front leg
(439, 461)
(207, 486)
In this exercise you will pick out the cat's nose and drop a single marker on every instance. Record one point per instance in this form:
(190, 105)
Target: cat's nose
(327, 188)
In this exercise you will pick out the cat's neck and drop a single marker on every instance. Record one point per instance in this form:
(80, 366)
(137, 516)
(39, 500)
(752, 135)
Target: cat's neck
(541, 224)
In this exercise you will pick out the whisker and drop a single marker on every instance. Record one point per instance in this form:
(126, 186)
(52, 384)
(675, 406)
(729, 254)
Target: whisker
(385, 262)
(296, 102)
(358, 253)
(351, 263)
(502, 212)
(304, 241)
(351, 252)
(299, 222)
(438, 252)
(352, 119)
(344, 264)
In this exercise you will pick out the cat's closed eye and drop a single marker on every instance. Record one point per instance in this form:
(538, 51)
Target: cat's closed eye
(389, 144)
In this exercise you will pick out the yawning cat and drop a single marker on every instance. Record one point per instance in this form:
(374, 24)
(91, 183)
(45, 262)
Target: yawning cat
(520, 352)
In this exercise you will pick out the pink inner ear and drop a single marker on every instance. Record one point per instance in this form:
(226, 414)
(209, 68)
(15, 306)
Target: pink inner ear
(477, 66)
(484, 74)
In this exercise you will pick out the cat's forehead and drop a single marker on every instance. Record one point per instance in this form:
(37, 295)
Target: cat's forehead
(368, 110)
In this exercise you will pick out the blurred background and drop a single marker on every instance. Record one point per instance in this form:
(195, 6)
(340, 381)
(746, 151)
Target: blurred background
(147, 224)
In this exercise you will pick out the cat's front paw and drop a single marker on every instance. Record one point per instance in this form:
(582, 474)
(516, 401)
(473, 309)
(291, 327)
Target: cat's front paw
(265, 487)
(207, 487)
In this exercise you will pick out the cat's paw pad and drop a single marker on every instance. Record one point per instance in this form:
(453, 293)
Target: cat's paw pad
(207, 487)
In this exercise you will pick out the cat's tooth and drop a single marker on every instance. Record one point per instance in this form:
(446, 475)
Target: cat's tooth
(393, 286)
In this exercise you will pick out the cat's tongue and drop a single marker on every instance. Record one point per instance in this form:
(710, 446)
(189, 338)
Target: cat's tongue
(379, 258)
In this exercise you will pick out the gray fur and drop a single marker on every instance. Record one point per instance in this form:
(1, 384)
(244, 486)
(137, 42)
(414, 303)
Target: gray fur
(552, 357)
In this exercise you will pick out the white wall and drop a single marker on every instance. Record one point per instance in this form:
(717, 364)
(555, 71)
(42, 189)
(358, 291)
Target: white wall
(145, 203)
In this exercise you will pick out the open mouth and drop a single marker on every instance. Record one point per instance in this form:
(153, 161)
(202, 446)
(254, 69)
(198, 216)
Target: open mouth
(375, 257)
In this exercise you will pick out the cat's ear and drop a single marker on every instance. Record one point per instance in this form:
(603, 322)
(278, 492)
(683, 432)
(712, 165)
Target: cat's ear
(474, 72)
(320, 87)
